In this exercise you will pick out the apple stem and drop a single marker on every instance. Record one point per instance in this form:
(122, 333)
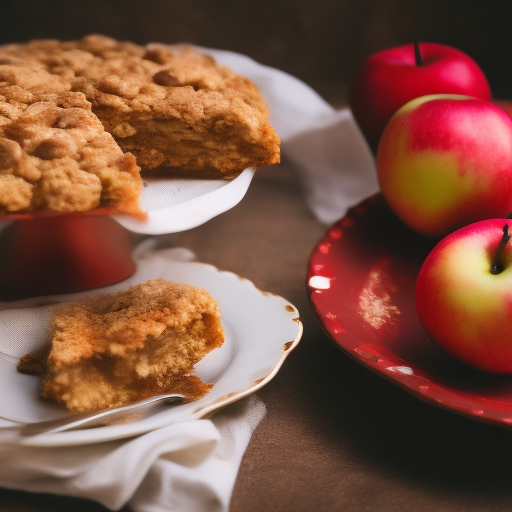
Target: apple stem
(497, 265)
(417, 54)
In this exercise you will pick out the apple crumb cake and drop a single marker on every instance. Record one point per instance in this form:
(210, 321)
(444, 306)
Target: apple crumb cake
(80, 119)
(114, 350)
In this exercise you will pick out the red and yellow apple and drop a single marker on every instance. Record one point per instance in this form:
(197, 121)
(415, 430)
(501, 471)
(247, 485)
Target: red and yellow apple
(390, 78)
(445, 161)
(464, 295)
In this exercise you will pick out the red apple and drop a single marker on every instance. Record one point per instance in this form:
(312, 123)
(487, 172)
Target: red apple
(445, 161)
(390, 78)
(464, 295)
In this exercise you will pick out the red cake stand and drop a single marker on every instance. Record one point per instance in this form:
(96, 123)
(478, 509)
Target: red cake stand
(52, 254)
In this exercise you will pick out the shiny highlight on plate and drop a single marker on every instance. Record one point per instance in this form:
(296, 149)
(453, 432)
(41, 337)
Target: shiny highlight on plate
(406, 370)
(319, 282)
(375, 304)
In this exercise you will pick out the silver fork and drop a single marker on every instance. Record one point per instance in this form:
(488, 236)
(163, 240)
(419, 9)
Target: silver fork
(125, 414)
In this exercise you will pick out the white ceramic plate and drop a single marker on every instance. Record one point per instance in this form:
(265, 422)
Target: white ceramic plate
(178, 204)
(261, 329)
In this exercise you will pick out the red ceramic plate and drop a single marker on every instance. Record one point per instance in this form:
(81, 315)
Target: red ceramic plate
(361, 280)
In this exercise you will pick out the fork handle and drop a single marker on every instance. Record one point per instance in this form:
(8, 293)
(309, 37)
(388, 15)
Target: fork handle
(126, 414)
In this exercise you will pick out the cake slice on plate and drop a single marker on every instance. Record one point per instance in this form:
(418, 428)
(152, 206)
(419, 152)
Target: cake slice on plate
(114, 350)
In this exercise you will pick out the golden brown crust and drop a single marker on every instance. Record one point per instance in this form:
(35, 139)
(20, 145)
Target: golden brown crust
(118, 349)
(65, 105)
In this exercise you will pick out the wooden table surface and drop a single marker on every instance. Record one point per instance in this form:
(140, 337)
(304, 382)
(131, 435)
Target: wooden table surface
(335, 436)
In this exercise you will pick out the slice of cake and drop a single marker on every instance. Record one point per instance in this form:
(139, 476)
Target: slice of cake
(114, 350)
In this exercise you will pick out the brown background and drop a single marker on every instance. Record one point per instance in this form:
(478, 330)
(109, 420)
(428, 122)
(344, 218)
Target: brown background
(320, 41)
(336, 437)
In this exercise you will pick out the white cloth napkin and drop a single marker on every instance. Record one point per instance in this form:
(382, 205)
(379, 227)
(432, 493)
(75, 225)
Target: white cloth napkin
(188, 466)
(192, 466)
